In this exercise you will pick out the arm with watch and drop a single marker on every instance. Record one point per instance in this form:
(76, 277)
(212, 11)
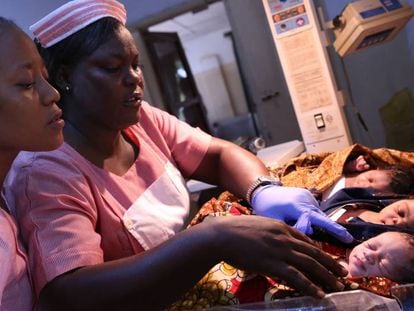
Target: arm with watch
(243, 174)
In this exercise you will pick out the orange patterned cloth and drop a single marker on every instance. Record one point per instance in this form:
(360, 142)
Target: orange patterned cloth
(321, 171)
(226, 204)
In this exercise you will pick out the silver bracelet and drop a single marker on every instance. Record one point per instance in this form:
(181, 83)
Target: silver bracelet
(259, 182)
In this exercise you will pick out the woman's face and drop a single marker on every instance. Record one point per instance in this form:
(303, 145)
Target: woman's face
(107, 86)
(29, 117)
(379, 256)
(376, 179)
(400, 213)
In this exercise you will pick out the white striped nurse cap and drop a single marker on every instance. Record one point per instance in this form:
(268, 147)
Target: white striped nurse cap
(74, 16)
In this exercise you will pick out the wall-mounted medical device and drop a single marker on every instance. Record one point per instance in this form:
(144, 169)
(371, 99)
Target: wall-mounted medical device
(301, 47)
(366, 23)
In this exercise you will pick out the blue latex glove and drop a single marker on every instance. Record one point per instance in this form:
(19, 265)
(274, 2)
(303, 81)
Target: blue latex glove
(297, 205)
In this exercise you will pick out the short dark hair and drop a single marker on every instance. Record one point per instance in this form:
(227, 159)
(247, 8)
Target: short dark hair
(405, 270)
(402, 180)
(73, 49)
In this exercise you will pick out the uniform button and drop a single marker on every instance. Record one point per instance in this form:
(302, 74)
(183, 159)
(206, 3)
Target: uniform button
(128, 224)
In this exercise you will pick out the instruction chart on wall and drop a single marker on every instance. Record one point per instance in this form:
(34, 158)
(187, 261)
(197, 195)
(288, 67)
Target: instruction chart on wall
(302, 53)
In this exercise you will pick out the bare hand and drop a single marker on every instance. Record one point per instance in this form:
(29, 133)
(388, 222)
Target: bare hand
(357, 165)
(270, 247)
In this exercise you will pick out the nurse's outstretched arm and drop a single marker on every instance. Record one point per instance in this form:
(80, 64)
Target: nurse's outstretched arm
(158, 277)
(236, 170)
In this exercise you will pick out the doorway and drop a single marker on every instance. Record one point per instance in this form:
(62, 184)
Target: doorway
(175, 78)
(208, 51)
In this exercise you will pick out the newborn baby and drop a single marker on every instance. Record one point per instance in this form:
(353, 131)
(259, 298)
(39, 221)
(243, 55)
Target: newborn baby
(358, 173)
(399, 213)
(390, 255)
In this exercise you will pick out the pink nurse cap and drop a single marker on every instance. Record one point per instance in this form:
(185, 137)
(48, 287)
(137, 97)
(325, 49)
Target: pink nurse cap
(72, 17)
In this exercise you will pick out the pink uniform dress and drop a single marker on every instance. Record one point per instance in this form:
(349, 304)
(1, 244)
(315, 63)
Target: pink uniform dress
(73, 213)
(16, 291)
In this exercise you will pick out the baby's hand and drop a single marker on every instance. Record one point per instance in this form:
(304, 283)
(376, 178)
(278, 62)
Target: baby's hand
(357, 165)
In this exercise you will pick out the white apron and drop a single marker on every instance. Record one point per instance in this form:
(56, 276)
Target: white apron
(161, 211)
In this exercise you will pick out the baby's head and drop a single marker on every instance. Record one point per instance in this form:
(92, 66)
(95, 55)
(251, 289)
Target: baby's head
(400, 213)
(391, 179)
(402, 179)
(390, 255)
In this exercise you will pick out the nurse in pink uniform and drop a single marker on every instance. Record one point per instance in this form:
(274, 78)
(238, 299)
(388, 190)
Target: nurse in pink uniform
(29, 120)
(103, 215)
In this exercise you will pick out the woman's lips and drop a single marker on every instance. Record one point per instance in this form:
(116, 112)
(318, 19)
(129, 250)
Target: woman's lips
(56, 121)
(134, 100)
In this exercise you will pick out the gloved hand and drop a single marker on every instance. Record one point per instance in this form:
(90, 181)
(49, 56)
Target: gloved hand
(298, 205)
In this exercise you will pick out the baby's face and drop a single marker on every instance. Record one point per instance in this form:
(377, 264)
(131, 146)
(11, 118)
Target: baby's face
(376, 179)
(400, 213)
(379, 256)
